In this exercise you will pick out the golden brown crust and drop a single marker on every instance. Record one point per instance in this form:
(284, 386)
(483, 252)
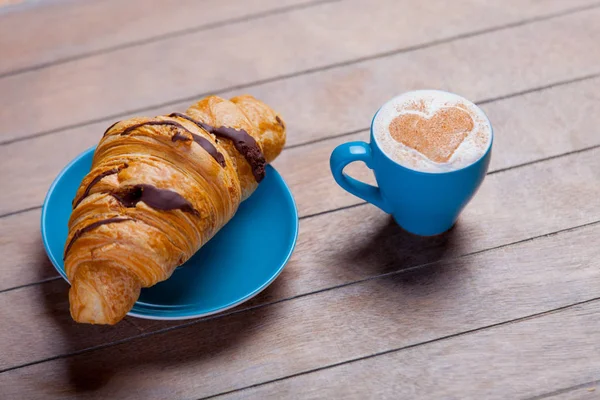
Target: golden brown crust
(107, 262)
(270, 124)
(100, 292)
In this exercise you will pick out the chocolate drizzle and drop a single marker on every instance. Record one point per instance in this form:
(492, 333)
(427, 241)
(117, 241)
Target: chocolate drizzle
(179, 137)
(242, 141)
(90, 227)
(279, 121)
(185, 116)
(205, 144)
(109, 128)
(159, 199)
(96, 180)
(247, 146)
(136, 126)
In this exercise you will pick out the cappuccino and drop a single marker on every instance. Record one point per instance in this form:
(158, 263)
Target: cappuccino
(432, 131)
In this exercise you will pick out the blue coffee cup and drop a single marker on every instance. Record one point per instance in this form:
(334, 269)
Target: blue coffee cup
(423, 203)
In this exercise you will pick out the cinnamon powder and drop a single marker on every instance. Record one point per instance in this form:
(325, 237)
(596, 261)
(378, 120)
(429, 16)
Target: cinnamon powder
(437, 137)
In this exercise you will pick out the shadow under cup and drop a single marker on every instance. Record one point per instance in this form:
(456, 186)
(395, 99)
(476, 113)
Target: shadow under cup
(423, 203)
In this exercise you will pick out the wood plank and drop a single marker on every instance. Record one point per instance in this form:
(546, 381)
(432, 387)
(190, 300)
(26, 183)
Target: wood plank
(102, 86)
(356, 321)
(55, 31)
(50, 328)
(333, 250)
(23, 257)
(48, 306)
(29, 180)
(509, 362)
(558, 120)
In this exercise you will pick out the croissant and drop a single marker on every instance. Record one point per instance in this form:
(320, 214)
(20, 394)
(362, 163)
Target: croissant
(160, 188)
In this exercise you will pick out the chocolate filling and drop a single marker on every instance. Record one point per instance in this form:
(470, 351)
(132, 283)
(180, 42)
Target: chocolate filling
(90, 227)
(247, 146)
(242, 141)
(160, 199)
(96, 180)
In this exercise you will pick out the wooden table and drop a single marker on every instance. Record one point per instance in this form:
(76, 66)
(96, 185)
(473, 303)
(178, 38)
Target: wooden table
(506, 305)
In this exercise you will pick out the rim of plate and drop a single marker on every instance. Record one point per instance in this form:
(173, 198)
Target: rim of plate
(137, 314)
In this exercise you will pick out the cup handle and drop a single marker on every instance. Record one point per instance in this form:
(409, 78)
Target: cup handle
(349, 152)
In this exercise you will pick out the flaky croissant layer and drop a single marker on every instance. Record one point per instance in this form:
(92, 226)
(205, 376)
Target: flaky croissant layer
(158, 190)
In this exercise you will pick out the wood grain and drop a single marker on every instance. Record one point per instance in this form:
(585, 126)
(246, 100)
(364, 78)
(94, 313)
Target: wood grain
(357, 287)
(355, 321)
(529, 127)
(55, 31)
(289, 43)
(29, 181)
(360, 243)
(508, 362)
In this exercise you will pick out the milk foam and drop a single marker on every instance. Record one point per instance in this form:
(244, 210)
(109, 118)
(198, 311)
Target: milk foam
(426, 103)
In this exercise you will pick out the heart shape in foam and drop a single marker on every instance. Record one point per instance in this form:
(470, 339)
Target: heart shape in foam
(437, 137)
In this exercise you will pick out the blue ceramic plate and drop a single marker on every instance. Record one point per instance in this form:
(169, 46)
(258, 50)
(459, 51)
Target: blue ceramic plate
(237, 264)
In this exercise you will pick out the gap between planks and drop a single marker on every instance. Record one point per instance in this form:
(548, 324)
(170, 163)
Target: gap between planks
(492, 172)
(302, 295)
(412, 346)
(359, 204)
(168, 35)
(586, 385)
(572, 161)
(480, 102)
(308, 71)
